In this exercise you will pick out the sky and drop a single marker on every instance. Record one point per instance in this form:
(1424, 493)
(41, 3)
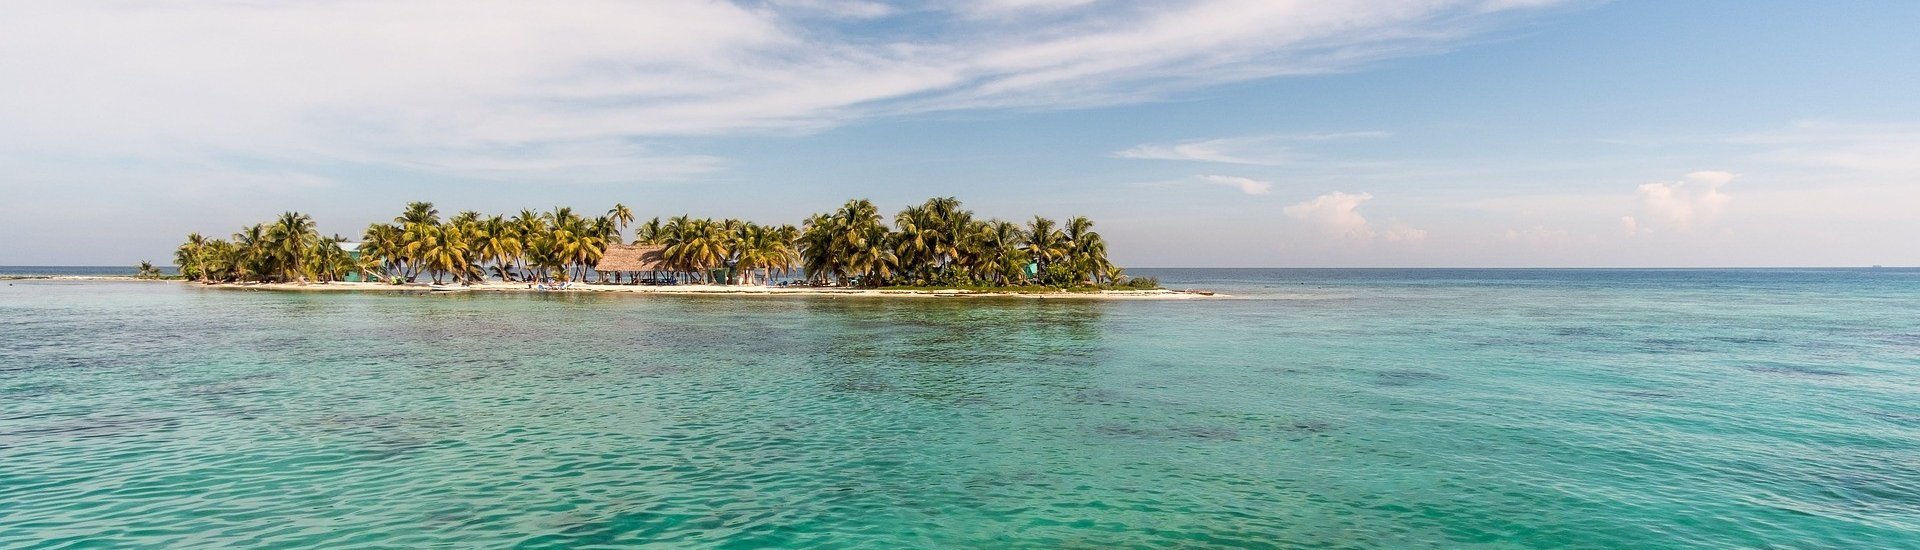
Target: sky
(1203, 133)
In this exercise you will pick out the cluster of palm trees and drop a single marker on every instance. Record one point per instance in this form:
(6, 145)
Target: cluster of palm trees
(470, 247)
(934, 243)
(726, 250)
(940, 243)
(287, 249)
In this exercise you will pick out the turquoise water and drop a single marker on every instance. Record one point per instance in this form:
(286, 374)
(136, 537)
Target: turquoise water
(1320, 408)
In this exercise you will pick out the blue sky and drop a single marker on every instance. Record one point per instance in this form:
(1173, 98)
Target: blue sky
(1195, 132)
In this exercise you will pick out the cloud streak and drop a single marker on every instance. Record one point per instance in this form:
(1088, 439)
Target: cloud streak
(377, 82)
(1268, 150)
(1249, 186)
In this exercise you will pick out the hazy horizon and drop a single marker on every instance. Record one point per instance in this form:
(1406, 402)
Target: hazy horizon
(1196, 133)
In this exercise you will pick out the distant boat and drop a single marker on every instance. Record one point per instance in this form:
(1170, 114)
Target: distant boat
(448, 288)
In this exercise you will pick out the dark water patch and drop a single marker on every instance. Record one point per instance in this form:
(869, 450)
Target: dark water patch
(1192, 433)
(1126, 430)
(104, 425)
(1875, 490)
(1669, 345)
(1000, 480)
(1400, 378)
(860, 385)
(247, 384)
(1896, 417)
(1583, 332)
(378, 423)
(1207, 433)
(1744, 340)
(33, 389)
(790, 424)
(1784, 369)
(955, 397)
(1098, 396)
(1307, 426)
(658, 370)
(1642, 394)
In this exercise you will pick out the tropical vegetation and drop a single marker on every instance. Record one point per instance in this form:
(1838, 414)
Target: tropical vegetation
(936, 243)
(146, 270)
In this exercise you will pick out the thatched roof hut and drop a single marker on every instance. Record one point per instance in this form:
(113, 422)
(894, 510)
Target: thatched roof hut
(632, 257)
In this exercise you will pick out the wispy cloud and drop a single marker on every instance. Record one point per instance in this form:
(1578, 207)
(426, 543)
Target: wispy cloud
(368, 81)
(837, 9)
(1861, 148)
(1249, 186)
(1257, 150)
(1010, 8)
(1244, 185)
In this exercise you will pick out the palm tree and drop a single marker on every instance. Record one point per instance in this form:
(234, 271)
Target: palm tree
(495, 240)
(192, 257)
(291, 235)
(621, 216)
(1045, 245)
(1087, 251)
(384, 244)
(873, 258)
(422, 213)
(146, 270)
(766, 248)
(696, 246)
(1000, 258)
(443, 250)
(253, 258)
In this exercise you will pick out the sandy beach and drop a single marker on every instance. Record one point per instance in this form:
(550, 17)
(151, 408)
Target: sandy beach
(729, 290)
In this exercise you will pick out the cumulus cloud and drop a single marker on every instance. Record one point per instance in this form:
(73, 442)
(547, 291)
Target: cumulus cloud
(1629, 226)
(378, 82)
(1338, 214)
(1681, 205)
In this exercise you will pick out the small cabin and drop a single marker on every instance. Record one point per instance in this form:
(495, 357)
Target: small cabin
(632, 259)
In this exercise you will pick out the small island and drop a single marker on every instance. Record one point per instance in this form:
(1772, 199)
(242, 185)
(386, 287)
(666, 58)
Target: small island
(935, 249)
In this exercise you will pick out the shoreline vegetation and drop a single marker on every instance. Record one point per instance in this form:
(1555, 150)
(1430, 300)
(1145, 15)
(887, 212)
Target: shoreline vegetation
(936, 248)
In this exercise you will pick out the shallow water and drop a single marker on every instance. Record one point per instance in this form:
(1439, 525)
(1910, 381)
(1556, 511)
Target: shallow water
(1327, 408)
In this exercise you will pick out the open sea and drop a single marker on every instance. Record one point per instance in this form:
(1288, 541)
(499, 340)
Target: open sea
(1316, 408)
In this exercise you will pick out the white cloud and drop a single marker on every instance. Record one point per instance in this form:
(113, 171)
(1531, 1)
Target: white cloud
(1260, 150)
(376, 81)
(1213, 150)
(840, 9)
(1338, 214)
(1858, 148)
(1538, 235)
(1683, 204)
(1403, 233)
(1249, 186)
(1003, 8)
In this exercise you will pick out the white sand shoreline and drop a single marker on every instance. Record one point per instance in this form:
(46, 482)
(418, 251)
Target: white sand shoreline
(689, 290)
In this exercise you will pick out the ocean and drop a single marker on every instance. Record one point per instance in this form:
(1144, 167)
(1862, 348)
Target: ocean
(1314, 408)
(44, 271)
